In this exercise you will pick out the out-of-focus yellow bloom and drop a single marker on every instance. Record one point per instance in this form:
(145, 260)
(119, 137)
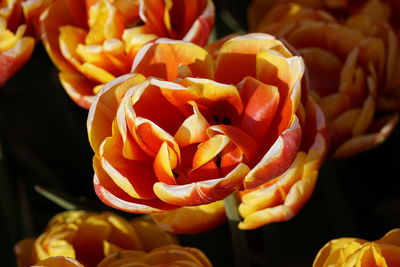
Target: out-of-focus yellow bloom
(171, 255)
(352, 67)
(353, 252)
(17, 19)
(92, 42)
(89, 237)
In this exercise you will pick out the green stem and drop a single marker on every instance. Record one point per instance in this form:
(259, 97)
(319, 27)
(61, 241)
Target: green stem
(238, 237)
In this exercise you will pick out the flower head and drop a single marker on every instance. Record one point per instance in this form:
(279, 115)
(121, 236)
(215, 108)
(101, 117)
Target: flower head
(358, 252)
(206, 127)
(89, 237)
(17, 21)
(92, 42)
(351, 65)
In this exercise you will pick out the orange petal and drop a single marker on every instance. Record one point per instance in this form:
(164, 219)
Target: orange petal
(279, 157)
(201, 28)
(78, 87)
(165, 161)
(13, 59)
(191, 220)
(209, 150)
(193, 129)
(203, 192)
(237, 57)
(260, 103)
(164, 56)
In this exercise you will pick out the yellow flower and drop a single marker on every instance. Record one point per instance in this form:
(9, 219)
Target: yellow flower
(352, 68)
(350, 252)
(92, 42)
(89, 237)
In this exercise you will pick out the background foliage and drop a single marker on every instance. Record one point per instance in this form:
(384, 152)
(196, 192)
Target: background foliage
(43, 141)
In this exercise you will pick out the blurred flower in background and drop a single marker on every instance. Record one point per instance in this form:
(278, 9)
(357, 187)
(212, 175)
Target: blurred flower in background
(89, 237)
(18, 19)
(350, 252)
(352, 67)
(170, 255)
(92, 42)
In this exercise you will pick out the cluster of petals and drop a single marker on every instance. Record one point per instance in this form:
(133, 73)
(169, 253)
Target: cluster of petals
(92, 42)
(17, 21)
(90, 237)
(350, 252)
(352, 66)
(169, 255)
(211, 123)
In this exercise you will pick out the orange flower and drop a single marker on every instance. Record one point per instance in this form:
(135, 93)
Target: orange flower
(175, 141)
(89, 237)
(92, 42)
(352, 66)
(171, 255)
(17, 17)
(350, 252)
(58, 261)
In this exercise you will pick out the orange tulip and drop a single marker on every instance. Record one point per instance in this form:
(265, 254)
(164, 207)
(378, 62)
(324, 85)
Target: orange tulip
(17, 19)
(91, 42)
(350, 252)
(171, 255)
(177, 141)
(58, 261)
(89, 237)
(352, 67)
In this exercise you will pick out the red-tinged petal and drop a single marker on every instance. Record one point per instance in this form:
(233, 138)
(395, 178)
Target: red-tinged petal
(237, 57)
(365, 142)
(13, 59)
(134, 177)
(237, 136)
(193, 129)
(78, 87)
(295, 200)
(207, 171)
(201, 28)
(104, 108)
(150, 137)
(272, 193)
(51, 20)
(210, 149)
(165, 161)
(215, 99)
(163, 57)
(191, 220)
(111, 195)
(152, 13)
(279, 157)
(203, 192)
(260, 102)
(150, 103)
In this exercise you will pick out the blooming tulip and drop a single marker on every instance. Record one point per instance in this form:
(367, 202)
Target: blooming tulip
(17, 19)
(89, 237)
(92, 42)
(352, 67)
(350, 252)
(206, 127)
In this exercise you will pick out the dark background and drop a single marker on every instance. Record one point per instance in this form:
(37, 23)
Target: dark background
(43, 141)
